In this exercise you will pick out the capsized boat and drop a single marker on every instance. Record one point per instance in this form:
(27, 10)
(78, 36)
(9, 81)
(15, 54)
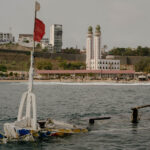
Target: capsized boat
(26, 127)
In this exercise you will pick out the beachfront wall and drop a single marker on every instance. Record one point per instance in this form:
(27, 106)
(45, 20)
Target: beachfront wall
(87, 74)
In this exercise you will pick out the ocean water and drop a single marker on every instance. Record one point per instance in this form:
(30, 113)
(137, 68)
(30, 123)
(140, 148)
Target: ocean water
(76, 103)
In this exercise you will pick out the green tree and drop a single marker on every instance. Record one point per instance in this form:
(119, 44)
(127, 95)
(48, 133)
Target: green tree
(71, 66)
(71, 50)
(143, 65)
(44, 65)
(63, 65)
(38, 46)
(11, 74)
(59, 58)
(3, 68)
(16, 74)
(139, 51)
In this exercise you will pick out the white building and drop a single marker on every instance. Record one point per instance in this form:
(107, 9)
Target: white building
(104, 64)
(25, 40)
(56, 37)
(6, 38)
(45, 43)
(94, 59)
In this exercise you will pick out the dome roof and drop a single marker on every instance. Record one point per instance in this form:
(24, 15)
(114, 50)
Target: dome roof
(98, 28)
(90, 29)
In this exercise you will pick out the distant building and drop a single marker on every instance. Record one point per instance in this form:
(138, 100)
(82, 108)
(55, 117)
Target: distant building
(25, 40)
(6, 38)
(44, 43)
(56, 37)
(94, 59)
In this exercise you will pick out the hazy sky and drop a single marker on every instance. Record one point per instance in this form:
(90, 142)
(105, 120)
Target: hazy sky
(124, 23)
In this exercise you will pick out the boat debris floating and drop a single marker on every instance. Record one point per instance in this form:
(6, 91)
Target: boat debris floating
(135, 113)
(92, 120)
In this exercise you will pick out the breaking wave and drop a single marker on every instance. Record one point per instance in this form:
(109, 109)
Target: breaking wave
(81, 83)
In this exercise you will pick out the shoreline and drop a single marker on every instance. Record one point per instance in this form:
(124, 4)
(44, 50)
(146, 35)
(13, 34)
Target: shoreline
(79, 81)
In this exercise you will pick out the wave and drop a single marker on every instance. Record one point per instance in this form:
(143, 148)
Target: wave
(81, 83)
(118, 130)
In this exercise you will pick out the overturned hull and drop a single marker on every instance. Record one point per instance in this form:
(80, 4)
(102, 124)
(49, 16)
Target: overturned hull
(49, 128)
(26, 128)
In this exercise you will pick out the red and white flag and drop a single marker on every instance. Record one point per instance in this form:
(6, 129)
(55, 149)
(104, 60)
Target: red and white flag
(39, 30)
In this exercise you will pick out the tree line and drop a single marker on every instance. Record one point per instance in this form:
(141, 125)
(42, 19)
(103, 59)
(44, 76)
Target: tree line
(63, 64)
(139, 51)
(45, 64)
(143, 65)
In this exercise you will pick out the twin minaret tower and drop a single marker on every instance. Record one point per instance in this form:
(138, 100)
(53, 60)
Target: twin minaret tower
(93, 48)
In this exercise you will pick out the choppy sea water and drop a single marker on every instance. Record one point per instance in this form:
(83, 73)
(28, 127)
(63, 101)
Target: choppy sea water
(76, 103)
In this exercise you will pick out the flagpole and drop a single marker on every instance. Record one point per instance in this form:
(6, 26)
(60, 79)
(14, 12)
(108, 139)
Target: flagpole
(40, 34)
(31, 72)
(35, 14)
